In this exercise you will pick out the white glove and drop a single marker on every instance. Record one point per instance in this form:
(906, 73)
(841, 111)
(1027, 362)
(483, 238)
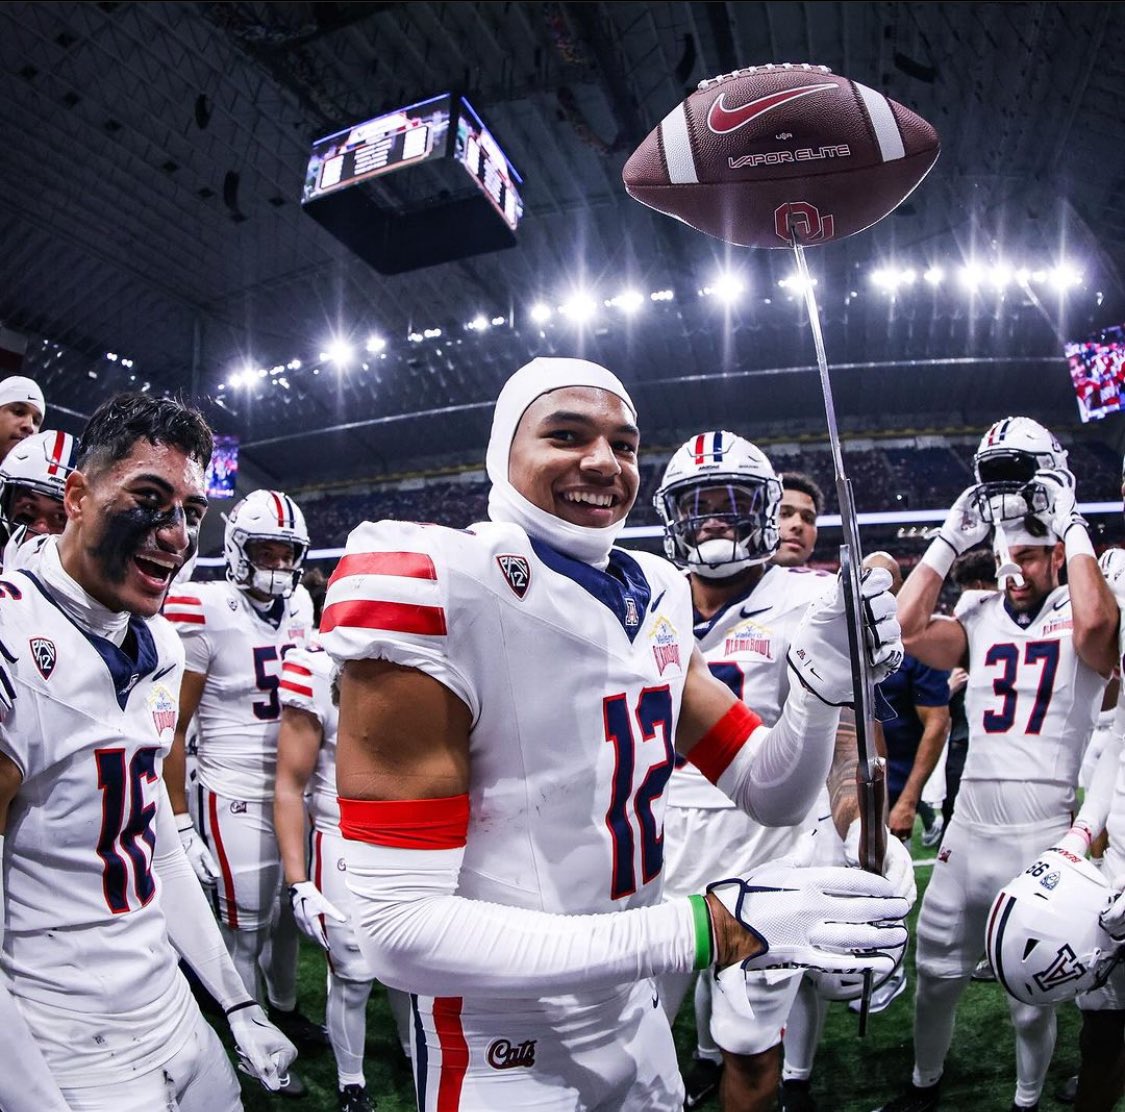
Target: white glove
(263, 1051)
(1061, 512)
(819, 654)
(898, 865)
(310, 907)
(964, 527)
(828, 918)
(198, 855)
(1112, 563)
(1076, 840)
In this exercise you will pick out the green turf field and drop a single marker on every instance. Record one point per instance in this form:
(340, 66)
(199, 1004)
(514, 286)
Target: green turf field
(852, 1074)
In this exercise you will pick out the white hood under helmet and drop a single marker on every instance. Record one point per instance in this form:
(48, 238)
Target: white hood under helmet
(505, 503)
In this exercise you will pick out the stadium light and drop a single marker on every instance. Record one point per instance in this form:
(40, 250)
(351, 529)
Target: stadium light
(540, 313)
(498, 321)
(628, 301)
(933, 275)
(726, 288)
(971, 276)
(795, 284)
(1064, 276)
(580, 307)
(662, 295)
(479, 323)
(340, 352)
(375, 344)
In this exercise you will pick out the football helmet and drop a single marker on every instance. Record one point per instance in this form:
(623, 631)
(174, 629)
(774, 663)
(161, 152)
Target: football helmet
(39, 463)
(717, 477)
(265, 515)
(1005, 464)
(1044, 940)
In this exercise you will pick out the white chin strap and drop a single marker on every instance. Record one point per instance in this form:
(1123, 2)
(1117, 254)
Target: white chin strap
(718, 559)
(1006, 567)
(505, 503)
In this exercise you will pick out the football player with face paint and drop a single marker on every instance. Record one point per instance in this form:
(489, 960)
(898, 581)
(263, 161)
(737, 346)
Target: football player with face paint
(236, 634)
(719, 501)
(100, 901)
(1038, 655)
(512, 699)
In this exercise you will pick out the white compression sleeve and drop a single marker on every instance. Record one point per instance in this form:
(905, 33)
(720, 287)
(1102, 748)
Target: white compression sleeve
(778, 774)
(192, 929)
(417, 935)
(1094, 812)
(26, 1084)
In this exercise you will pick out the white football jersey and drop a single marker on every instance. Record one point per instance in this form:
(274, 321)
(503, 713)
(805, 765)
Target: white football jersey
(1031, 701)
(240, 649)
(745, 645)
(88, 725)
(573, 677)
(306, 683)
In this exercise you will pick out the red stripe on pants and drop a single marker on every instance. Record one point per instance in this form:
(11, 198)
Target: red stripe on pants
(224, 864)
(454, 1052)
(318, 872)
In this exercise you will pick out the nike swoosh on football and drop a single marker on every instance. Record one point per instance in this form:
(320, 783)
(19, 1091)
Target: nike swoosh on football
(723, 120)
(752, 613)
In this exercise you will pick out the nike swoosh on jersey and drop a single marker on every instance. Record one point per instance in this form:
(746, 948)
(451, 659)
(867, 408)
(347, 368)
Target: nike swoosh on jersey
(744, 613)
(1061, 603)
(723, 120)
(162, 673)
(657, 601)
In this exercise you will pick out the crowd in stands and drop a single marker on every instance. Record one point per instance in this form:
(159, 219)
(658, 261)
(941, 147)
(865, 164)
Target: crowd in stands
(894, 476)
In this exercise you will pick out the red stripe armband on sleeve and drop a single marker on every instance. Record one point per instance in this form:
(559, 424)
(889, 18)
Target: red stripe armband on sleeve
(717, 748)
(407, 823)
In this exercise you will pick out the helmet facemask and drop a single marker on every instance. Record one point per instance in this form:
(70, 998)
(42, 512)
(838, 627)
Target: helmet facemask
(715, 528)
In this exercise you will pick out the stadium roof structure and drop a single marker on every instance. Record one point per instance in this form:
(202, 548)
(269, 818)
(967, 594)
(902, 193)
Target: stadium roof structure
(152, 232)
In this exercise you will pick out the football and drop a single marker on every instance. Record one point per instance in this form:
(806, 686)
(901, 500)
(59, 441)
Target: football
(752, 154)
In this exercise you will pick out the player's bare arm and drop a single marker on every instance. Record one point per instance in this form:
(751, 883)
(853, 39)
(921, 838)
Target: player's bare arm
(402, 735)
(842, 798)
(1096, 615)
(935, 729)
(10, 781)
(175, 764)
(934, 639)
(298, 743)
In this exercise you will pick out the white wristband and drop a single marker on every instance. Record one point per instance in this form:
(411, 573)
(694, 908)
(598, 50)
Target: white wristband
(939, 556)
(1078, 542)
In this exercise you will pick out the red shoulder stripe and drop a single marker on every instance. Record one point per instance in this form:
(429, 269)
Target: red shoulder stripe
(407, 823)
(297, 688)
(182, 600)
(194, 619)
(398, 617)
(409, 565)
(296, 669)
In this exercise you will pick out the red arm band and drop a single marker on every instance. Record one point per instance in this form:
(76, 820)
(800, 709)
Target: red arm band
(717, 748)
(407, 823)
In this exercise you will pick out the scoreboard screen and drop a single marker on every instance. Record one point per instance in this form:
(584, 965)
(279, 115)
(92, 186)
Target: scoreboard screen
(1097, 372)
(222, 471)
(406, 136)
(487, 165)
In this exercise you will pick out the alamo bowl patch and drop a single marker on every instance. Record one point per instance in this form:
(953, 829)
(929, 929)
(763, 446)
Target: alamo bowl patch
(44, 655)
(164, 708)
(666, 645)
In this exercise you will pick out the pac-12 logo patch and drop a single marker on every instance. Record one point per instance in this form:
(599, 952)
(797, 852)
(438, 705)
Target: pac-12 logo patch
(44, 655)
(517, 572)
